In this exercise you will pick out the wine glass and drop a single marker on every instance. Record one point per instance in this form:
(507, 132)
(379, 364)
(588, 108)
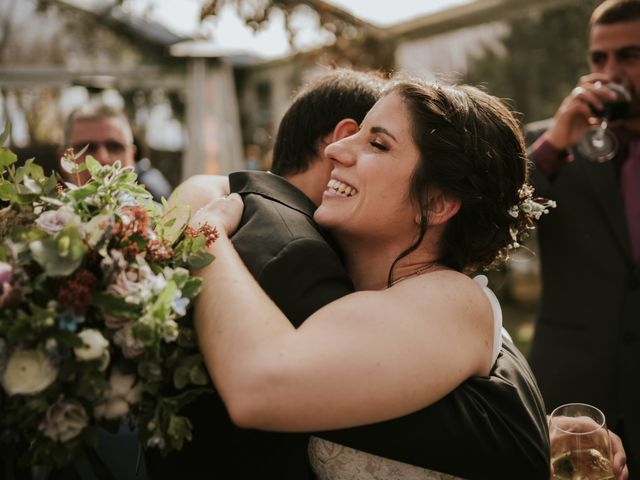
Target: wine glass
(580, 448)
(600, 143)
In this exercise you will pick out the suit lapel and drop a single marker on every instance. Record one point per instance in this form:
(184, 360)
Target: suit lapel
(604, 180)
(279, 190)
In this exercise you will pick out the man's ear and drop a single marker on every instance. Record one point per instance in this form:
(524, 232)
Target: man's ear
(344, 128)
(441, 208)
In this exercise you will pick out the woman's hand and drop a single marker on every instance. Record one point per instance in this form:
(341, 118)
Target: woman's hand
(224, 213)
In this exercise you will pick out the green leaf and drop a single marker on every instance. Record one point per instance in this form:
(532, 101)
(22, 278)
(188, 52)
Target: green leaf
(150, 371)
(181, 377)
(198, 375)
(7, 157)
(6, 133)
(192, 287)
(115, 305)
(50, 185)
(92, 165)
(7, 191)
(179, 430)
(199, 259)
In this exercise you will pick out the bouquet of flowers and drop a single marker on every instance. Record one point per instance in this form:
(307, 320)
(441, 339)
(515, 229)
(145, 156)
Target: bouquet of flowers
(94, 291)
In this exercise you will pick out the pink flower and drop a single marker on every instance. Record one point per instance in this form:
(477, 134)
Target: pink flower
(52, 221)
(10, 293)
(130, 346)
(64, 420)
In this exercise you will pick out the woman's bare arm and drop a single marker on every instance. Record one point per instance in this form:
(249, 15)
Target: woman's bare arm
(367, 357)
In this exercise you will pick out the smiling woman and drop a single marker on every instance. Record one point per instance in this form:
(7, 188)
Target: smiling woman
(420, 195)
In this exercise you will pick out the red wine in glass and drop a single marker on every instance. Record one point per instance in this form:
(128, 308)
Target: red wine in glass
(600, 144)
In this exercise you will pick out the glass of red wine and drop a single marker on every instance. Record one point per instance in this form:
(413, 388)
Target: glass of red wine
(600, 144)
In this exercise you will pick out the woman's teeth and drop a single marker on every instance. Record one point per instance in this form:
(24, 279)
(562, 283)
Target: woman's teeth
(341, 188)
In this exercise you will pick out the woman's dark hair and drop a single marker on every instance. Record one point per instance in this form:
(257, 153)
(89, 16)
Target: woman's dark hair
(472, 149)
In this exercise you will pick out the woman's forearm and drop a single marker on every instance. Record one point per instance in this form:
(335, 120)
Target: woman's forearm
(235, 320)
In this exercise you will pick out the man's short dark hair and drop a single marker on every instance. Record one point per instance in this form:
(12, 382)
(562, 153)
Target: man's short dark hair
(316, 111)
(615, 11)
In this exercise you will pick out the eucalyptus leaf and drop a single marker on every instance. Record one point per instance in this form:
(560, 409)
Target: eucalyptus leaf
(62, 255)
(198, 375)
(7, 157)
(181, 377)
(7, 191)
(92, 165)
(199, 259)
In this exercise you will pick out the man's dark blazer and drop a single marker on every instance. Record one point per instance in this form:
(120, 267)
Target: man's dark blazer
(587, 342)
(292, 260)
(499, 419)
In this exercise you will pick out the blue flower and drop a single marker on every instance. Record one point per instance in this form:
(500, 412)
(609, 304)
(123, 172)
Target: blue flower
(68, 320)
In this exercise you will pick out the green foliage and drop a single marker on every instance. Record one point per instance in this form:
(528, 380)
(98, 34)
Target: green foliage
(95, 295)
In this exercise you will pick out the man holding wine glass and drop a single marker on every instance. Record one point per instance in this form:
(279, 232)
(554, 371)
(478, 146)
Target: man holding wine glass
(587, 342)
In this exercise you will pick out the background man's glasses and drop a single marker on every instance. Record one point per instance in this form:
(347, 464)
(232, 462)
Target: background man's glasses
(110, 146)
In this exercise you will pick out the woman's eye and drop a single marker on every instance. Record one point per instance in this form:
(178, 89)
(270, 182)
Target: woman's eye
(378, 146)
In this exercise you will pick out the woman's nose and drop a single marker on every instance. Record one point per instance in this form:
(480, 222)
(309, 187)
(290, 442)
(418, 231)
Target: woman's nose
(341, 152)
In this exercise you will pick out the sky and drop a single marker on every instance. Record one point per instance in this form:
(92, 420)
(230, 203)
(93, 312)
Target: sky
(228, 31)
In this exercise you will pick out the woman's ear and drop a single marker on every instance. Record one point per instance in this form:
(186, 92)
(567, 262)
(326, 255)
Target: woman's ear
(440, 208)
(344, 128)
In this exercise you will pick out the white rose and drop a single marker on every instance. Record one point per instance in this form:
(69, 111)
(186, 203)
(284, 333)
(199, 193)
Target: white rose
(94, 345)
(27, 372)
(123, 392)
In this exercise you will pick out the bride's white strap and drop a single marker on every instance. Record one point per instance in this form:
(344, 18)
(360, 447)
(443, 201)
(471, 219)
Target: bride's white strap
(498, 331)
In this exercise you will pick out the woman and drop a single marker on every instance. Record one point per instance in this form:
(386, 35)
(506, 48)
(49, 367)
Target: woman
(430, 187)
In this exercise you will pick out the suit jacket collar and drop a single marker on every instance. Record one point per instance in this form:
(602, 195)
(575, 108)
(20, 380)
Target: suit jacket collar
(277, 189)
(273, 187)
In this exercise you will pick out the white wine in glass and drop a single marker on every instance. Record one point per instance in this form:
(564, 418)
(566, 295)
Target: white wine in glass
(580, 448)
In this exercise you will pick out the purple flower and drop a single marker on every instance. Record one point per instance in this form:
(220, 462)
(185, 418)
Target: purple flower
(52, 221)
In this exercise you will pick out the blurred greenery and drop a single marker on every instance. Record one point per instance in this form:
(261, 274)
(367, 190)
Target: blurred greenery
(546, 53)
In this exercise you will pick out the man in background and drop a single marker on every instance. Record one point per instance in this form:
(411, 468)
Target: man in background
(587, 342)
(107, 134)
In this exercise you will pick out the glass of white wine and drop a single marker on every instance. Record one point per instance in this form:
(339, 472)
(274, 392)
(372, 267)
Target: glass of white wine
(580, 448)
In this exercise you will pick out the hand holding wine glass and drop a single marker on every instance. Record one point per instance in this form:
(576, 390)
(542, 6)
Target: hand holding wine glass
(580, 443)
(600, 143)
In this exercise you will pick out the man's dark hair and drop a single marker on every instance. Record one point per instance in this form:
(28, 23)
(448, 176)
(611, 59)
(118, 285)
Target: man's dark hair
(615, 11)
(316, 111)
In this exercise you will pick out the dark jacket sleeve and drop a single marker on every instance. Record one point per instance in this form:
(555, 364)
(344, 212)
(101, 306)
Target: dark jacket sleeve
(303, 277)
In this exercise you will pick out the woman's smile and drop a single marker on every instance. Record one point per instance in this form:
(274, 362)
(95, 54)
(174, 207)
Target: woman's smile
(340, 188)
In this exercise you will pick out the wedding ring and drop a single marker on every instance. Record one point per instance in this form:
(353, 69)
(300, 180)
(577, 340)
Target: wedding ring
(597, 84)
(577, 91)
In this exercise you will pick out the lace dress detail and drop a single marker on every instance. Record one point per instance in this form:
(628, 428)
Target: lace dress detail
(331, 461)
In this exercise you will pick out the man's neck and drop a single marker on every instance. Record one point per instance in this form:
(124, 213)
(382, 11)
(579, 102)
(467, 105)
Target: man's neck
(313, 181)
